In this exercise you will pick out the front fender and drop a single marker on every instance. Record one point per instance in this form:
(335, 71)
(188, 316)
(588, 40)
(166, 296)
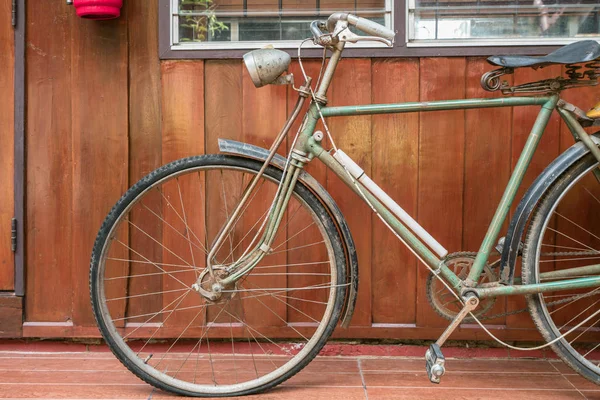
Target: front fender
(510, 250)
(259, 153)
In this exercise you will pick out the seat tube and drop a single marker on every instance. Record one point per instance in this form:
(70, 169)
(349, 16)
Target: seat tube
(511, 190)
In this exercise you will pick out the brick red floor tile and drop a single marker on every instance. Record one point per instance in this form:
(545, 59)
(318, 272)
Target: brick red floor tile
(66, 391)
(470, 394)
(469, 380)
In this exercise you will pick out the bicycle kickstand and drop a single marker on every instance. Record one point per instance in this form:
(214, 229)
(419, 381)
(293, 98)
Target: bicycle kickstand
(434, 358)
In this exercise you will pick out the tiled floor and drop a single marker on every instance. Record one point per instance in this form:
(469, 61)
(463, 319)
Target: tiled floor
(31, 373)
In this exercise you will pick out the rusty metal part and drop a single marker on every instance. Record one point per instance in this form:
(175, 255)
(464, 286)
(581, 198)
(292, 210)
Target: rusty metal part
(581, 116)
(491, 82)
(470, 303)
(209, 286)
(443, 302)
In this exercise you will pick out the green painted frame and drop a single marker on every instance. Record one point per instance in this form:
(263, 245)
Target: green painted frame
(307, 144)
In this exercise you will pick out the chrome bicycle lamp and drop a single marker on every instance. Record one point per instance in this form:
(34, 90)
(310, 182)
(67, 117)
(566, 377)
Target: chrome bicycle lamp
(267, 66)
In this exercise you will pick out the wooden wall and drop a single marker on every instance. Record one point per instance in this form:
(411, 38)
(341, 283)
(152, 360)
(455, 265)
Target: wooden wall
(103, 111)
(6, 144)
(10, 305)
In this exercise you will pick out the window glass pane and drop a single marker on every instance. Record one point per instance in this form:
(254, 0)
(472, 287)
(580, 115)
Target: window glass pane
(494, 19)
(265, 20)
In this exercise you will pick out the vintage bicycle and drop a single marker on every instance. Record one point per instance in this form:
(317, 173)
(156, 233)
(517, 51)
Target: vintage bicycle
(225, 274)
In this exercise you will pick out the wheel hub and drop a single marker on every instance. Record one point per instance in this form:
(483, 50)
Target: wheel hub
(210, 287)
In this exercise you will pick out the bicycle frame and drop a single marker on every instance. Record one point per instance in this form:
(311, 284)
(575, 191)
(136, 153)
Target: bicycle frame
(308, 147)
(308, 144)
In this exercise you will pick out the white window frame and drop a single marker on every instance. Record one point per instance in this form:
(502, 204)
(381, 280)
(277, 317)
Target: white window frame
(175, 45)
(410, 5)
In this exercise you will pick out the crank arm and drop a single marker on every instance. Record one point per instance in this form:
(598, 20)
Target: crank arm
(471, 303)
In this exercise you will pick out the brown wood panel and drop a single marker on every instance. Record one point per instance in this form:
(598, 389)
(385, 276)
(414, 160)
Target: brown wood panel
(548, 149)
(488, 135)
(441, 166)
(182, 200)
(145, 139)
(223, 96)
(352, 85)
(223, 115)
(100, 146)
(395, 169)
(7, 139)
(388, 331)
(49, 265)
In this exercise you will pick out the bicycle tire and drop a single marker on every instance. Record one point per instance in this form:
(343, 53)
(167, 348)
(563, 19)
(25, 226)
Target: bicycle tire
(547, 317)
(134, 363)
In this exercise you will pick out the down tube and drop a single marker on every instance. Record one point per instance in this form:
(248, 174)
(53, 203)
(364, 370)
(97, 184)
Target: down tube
(407, 236)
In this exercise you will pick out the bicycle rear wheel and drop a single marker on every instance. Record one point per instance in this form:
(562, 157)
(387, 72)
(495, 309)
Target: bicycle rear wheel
(265, 328)
(565, 233)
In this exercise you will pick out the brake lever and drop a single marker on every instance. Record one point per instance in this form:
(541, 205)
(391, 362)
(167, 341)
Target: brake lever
(346, 35)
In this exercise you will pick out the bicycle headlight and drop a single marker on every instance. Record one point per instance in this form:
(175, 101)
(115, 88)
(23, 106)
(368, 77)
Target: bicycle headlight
(266, 65)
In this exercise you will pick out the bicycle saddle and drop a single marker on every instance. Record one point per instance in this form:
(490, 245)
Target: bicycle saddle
(578, 52)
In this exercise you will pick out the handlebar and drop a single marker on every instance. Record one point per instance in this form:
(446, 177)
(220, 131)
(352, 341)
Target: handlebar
(365, 25)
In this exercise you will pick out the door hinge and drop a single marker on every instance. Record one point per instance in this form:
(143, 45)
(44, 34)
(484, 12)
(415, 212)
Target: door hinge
(14, 13)
(13, 234)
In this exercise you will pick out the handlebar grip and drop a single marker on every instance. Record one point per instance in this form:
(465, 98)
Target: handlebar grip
(367, 26)
(371, 28)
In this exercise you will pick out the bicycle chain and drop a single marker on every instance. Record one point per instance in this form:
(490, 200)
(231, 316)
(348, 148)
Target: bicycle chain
(552, 303)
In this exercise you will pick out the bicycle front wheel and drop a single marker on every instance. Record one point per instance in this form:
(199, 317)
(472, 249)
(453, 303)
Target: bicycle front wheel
(263, 329)
(565, 233)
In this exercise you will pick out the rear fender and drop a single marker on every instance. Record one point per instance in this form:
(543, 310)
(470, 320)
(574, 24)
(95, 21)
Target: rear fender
(261, 154)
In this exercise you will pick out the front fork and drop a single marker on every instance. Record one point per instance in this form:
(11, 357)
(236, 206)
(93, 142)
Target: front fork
(229, 275)
(263, 247)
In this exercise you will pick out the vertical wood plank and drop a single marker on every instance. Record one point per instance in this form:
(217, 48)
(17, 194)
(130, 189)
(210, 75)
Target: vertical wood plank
(441, 166)
(395, 169)
(49, 267)
(352, 85)
(223, 119)
(100, 146)
(487, 166)
(144, 146)
(523, 120)
(223, 96)
(183, 136)
(7, 65)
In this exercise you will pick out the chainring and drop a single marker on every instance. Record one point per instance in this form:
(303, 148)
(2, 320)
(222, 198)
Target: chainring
(444, 302)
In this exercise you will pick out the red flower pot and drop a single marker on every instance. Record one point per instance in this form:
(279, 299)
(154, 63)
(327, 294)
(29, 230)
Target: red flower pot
(98, 9)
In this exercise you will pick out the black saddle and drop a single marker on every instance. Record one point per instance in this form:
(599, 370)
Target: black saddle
(574, 53)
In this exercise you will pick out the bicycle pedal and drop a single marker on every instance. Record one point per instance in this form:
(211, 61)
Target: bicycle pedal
(435, 363)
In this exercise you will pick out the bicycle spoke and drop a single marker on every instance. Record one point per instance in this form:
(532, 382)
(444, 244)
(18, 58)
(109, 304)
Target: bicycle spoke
(162, 270)
(187, 227)
(232, 341)
(200, 246)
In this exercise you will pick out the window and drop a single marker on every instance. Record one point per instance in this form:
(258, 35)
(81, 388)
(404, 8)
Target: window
(228, 28)
(485, 21)
(245, 23)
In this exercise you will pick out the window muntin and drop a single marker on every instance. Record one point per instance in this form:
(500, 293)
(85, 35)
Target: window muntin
(226, 24)
(489, 21)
